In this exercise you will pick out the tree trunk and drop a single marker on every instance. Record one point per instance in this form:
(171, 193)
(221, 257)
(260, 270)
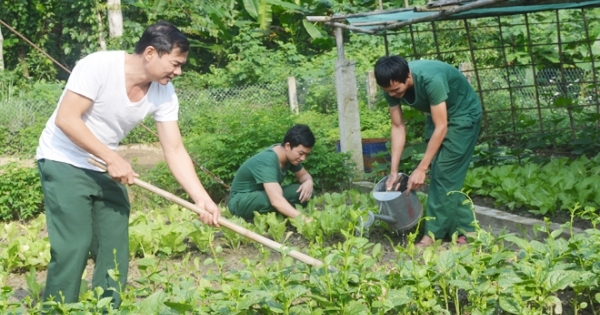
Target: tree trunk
(1, 51)
(115, 18)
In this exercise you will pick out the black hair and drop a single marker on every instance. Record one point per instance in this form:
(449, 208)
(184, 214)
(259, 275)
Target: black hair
(164, 37)
(299, 135)
(391, 68)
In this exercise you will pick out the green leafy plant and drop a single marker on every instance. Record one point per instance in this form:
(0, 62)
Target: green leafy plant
(20, 192)
(543, 188)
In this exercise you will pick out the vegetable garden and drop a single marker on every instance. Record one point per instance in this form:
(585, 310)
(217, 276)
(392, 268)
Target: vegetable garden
(185, 267)
(540, 160)
(181, 266)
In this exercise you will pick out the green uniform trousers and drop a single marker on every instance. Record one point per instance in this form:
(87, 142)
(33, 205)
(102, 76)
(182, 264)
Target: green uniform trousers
(244, 204)
(86, 213)
(448, 172)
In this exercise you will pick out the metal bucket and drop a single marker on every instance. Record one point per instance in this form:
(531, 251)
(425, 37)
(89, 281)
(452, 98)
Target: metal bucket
(400, 210)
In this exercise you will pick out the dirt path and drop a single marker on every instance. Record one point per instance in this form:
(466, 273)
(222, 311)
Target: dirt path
(142, 155)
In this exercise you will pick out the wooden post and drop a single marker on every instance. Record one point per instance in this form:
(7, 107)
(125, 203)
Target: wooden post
(292, 95)
(347, 101)
(339, 43)
(467, 70)
(115, 18)
(371, 89)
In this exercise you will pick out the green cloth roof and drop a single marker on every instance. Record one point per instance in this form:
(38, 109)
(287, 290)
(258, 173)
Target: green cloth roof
(419, 14)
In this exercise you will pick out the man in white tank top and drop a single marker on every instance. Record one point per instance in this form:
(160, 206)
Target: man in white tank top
(87, 210)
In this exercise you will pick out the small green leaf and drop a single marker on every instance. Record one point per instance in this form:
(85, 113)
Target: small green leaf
(179, 307)
(510, 304)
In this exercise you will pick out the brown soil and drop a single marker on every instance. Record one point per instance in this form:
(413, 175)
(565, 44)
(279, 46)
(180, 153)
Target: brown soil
(140, 155)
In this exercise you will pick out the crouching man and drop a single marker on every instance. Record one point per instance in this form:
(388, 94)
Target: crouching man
(257, 184)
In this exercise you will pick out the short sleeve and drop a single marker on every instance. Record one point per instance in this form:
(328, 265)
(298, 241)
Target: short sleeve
(296, 168)
(88, 76)
(392, 101)
(265, 172)
(437, 89)
(168, 109)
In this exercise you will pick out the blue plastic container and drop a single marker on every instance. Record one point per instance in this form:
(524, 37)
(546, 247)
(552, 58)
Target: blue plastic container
(371, 151)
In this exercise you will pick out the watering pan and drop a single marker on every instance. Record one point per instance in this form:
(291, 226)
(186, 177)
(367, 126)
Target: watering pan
(400, 210)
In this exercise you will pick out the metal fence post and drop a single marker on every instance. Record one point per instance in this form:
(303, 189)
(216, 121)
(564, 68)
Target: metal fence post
(292, 95)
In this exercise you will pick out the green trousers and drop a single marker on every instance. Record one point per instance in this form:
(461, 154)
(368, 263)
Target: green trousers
(87, 213)
(244, 204)
(447, 174)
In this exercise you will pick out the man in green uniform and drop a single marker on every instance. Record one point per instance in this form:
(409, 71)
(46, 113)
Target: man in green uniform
(257, 184)
(452, 128)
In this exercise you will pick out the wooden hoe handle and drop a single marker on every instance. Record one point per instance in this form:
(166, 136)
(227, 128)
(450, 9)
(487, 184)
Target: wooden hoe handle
(222, 221)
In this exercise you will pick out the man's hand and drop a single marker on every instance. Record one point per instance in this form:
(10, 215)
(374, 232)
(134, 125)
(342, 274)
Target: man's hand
(307, 219)
(121, 171)
(305, 190)
(390, 183)
(416, 180)
(212, 214)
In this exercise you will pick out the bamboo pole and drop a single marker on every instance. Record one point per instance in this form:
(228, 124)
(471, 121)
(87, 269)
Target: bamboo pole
(442, 13)
(222, 221)
(384, 26)
(341, 17)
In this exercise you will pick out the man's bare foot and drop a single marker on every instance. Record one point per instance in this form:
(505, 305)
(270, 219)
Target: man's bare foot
(425, 241)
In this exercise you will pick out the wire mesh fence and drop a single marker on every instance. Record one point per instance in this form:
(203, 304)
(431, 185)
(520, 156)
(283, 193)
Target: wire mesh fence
(20, 113)
(536, 74)
(273, 94)
(520, 102)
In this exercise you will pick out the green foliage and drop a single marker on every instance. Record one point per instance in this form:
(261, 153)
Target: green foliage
(332, 214)
(328, 168)
(24, 109)
(271, 224)
(491, 275)
(36, 23)
(542, 188)
(222, 148)
(20, 192)
(140, 134)
(22, 246)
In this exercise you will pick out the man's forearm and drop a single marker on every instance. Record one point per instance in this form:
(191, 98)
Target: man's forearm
(304, 178)
(285, 208)
(398, 139)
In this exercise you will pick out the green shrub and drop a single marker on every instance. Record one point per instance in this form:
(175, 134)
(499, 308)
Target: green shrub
(20, 192)
(28, 138)
(139, 134)
(4, 139)
(224, 146)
